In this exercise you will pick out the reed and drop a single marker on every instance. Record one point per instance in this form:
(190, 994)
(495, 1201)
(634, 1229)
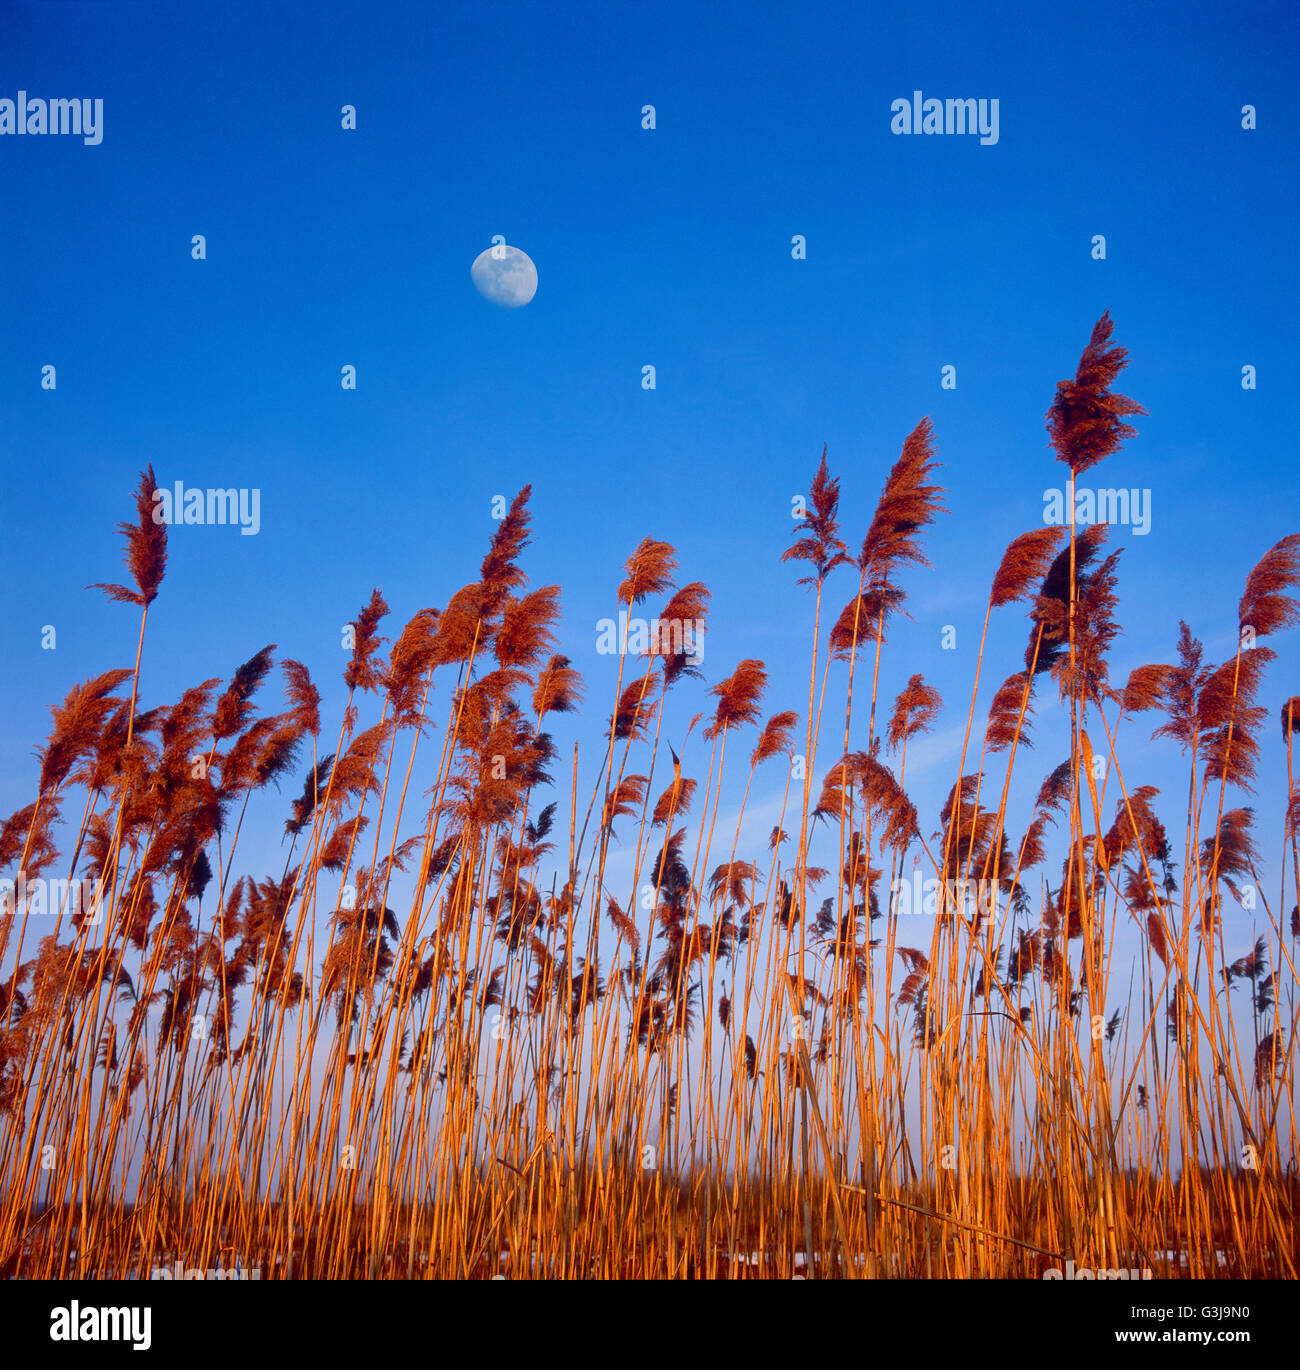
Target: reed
(737, 1066)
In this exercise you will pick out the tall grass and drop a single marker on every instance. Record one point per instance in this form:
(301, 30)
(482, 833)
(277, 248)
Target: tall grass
(716, 1068)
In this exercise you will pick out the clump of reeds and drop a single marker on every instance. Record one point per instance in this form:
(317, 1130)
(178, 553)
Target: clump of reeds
(438, 1043)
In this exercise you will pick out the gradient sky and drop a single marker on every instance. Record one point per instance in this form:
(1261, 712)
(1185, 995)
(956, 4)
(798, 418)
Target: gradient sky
(668, 247)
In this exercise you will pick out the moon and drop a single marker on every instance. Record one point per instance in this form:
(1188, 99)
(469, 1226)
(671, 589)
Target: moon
(509, 280)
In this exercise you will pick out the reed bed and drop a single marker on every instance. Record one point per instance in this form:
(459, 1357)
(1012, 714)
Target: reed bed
(444, 1042)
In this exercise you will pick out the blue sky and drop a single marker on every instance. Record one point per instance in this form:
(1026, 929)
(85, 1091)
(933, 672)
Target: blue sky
(671, 248)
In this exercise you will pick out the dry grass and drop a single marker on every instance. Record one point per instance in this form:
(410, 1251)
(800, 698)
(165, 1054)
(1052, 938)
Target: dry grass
(517, 1072)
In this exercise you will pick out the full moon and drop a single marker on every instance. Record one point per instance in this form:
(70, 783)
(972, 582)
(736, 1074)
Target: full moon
(509, 280)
